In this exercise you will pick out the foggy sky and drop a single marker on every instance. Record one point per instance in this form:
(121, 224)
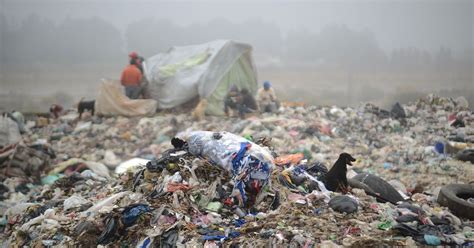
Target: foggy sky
(424, 24)
(313, 51)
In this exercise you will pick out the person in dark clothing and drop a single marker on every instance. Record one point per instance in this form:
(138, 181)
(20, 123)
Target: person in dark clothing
(247, 103)
(242, 102)
(231, 100)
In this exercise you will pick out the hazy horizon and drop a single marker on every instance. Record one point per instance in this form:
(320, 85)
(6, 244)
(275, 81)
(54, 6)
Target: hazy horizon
(406, 46)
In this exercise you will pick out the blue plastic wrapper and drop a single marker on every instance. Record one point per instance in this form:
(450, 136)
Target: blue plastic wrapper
(231, 235)
(213, 237)
(439, 147)
(239, 222)
(132, 213)
(146, 243)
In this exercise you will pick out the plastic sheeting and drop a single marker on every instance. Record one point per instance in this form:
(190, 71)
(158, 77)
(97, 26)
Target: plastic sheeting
(9, 132)
(221, 148)
(111, 100)
(183, 73)
(248, 163)
(241, 75)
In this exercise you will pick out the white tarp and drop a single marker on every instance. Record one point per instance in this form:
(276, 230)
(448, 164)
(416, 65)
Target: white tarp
(9, 132)
(184, 73)
(111, 100)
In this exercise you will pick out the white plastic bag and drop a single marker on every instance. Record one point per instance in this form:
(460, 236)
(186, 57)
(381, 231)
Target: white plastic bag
(9, 132)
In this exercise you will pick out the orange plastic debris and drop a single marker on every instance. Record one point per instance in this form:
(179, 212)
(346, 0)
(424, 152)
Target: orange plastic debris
(172, 187)
(289, 159)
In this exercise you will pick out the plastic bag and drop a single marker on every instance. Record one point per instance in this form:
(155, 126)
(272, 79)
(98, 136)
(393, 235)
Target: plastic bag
(74, 202)
(9, 132)
(249, 164)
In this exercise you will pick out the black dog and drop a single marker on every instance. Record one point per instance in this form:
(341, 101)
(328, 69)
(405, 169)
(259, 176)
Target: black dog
(336, 179)
(85, 105)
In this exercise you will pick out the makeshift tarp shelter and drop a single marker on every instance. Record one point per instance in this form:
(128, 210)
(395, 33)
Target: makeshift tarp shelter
(111, 100)
(206, 71)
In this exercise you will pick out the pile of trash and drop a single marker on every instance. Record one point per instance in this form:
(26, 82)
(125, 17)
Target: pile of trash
(263, 181)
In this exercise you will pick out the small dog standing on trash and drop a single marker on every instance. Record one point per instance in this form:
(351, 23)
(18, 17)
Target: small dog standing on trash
(85, 105)
(336, 179)
(199, 112)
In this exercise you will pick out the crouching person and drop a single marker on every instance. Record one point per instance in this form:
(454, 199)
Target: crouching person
(247, 104)
(267, 100)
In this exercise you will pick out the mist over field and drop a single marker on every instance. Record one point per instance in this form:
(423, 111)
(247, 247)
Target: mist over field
(319, 52)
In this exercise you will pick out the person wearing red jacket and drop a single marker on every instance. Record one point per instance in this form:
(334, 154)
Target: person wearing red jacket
(138, 60)
(131, 79)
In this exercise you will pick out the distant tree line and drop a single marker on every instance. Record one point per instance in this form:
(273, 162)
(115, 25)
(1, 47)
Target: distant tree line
(38, 40)
(77, 41)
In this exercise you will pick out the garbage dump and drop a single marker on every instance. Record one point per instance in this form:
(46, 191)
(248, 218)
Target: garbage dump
(261, 181)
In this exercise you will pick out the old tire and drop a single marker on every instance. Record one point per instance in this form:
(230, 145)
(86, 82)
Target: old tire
(452, 196)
